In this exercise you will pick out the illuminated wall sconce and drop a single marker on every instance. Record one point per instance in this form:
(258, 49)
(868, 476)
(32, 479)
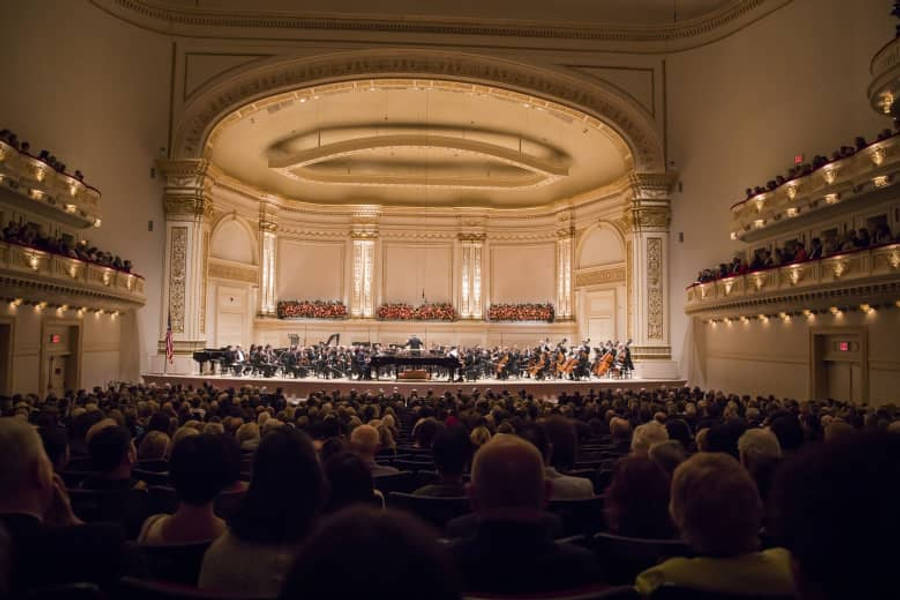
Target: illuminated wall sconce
(878, 156)
(834, 310)
(36, 193)
(71, 208)
(809, 314)
(764, 318)
(106, 277)
(97, 222)
(733, 235)
(831, 198)
(73, 271)
(784, 316)
(114, 314)
(727, 321)
(40, 174)
(73, 190)
(745, 320)
(34, 262)
(98, 313)
(62, 309)
(40, 306)
(792, 212)
(81, 310)
(792, 191)
(795, 275)
(895, 260)
(866, 308)
(880, 181)
(887, 100)
(830, 175)
(759, 223)
(760, 203)
(713, 322)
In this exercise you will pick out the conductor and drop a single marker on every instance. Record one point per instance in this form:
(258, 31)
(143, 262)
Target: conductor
(414, 344)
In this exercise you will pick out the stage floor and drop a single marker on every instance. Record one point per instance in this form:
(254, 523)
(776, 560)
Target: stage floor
(301, 388)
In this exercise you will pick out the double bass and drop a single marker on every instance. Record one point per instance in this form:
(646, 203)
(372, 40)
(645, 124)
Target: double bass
(501, 365)
(601, 365)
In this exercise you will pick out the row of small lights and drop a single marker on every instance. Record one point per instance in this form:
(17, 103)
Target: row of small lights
(837, 311)
(61, 308)
(38, 194)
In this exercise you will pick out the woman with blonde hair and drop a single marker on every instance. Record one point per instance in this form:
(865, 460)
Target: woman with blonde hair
(480, 436)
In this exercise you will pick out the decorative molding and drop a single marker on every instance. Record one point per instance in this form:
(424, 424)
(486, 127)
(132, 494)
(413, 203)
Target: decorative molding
(233, 272)
(602, 275)
(471, 236)
(598, 101)
(188, 186)
(204, 254)
(178, 277)
(629, 287)
(662, 37)
(655, 329)
(653, 217)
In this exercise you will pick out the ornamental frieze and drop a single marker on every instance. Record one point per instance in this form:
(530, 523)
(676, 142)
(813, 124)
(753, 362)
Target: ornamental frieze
(614, 275)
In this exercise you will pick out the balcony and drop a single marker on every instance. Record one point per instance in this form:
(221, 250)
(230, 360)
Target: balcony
(885, 70)
(36, 186)
(867, 177)
(864, 276)
(35, 275)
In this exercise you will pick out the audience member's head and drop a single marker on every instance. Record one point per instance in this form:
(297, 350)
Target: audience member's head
(646, 435)
(424, 432)
(757, 447)
(563, 442)
(668, 455)
(679, 430)
(26, 475)
(724, 437)
(154, 446)
(835, 509)
(715, 505)
(789, 431)
(349, 482)
(480, 436)
(620, 429)
(248, 436)
(836, 430)
(112, 451)
(56, 445)
(637, 499)
(201, 466)
(507, 473)
(388, 553)
(451, 450)
(286, 491)
(364, 441)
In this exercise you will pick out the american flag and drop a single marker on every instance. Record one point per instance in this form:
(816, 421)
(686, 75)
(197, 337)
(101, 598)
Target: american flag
(170, 343)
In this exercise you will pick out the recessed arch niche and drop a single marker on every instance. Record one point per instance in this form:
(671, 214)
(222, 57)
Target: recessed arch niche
(232, 240)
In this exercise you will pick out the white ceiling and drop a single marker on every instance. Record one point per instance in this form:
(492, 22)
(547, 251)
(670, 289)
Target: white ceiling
(417, 143)
(631, 12)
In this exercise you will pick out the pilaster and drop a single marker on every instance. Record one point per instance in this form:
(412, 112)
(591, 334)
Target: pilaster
(188, 206)
(565, 247)
(647, 216)
(268, 245)
(471, 273)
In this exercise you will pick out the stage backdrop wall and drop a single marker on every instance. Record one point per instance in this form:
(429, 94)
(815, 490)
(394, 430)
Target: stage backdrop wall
(411, 269)
(310, 270)
(522, 272)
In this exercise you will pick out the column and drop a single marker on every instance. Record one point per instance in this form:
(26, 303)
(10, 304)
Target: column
(471, 304)
(268, 244)
(188, 207)
(647, 216)
(362, 296)
(564, 246)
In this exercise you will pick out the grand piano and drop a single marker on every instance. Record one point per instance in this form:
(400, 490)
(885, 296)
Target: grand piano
(211, 356)
(421, 361)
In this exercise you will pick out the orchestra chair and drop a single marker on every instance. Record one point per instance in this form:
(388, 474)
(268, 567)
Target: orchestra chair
(623, 558)
(583, 516)
(434, 510)
(128, 507)
(67, 591)
(600, 591)
(174, 563)
(153, 465)
(404, 481)
(673, 592)
(141, 589)
(151, 477)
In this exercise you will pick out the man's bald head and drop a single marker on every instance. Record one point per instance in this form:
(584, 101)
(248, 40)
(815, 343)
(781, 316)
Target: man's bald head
(508, 472)
(364, 439)
(26, 475)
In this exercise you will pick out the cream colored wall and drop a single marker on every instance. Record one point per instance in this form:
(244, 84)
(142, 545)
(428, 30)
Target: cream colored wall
(738, 110)
(413, 270)
(522, 273)
(310, 270)
(773, 357)
(94, 91)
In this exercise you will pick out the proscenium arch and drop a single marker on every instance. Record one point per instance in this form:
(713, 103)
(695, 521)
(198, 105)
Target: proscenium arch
(593, 98)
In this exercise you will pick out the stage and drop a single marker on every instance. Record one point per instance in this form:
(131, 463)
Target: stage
(301, 388)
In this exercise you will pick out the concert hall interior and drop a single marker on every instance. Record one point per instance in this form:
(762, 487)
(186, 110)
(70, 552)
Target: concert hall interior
(662, 201)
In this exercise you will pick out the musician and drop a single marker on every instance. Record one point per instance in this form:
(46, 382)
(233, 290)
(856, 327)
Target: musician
(414, 345)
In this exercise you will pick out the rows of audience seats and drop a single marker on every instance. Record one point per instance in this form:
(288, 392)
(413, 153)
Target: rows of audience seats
(168, 492)
(29, 234)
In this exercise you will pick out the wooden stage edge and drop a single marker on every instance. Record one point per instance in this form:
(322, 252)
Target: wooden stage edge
(302, 388)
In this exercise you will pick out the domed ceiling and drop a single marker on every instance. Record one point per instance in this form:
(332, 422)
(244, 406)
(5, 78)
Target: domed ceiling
(411, 142)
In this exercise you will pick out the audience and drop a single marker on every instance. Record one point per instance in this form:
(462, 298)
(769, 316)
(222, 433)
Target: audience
(836, 511)
(451, 450)
(31, 235)
(637, 500)
(201, 466)
(349, 482)
(760, 454)
(717, 509)
(112, 455)
(364, 441)
(363, 553)
(286, 493)
(511, 551)
(561, 487)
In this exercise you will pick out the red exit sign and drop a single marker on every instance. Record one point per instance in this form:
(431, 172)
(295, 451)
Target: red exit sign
(844, 346)
(54, 338)
(798, 159)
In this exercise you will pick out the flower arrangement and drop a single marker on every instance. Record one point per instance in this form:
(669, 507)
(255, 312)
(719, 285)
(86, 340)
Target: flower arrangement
(439, 311)
(522, 312)
(311, 309)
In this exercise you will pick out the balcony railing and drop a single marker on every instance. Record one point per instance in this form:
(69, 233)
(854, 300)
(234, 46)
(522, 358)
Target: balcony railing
(24, 269)
(833, 276)
(46, 189)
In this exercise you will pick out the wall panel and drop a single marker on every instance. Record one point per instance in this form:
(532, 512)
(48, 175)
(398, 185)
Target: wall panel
(310, 270)
(523, 273)
(411, 270)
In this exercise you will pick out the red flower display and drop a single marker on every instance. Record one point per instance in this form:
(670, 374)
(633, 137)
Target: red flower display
(311, 309)
(521, 312)
(439, 311)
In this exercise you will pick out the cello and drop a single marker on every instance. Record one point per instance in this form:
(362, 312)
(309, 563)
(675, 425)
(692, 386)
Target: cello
(602, 365)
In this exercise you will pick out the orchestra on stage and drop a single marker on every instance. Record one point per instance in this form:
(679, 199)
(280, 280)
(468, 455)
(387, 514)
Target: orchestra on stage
(365, 361)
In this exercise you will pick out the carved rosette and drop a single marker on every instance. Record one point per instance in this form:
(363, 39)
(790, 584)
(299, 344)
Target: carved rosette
(654, 288)
(178, 277)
